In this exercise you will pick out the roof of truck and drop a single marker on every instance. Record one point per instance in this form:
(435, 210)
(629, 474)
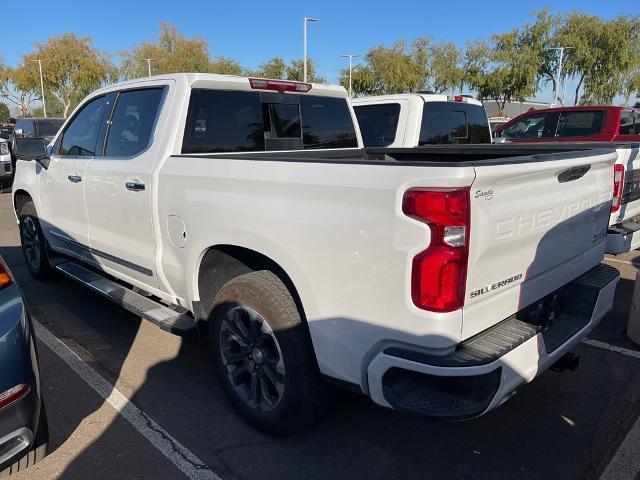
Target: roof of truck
(427, 97)
(225, 82)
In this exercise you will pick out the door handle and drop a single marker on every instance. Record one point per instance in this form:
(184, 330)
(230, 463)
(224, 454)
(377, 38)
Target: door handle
(74, 178)
(135, 186)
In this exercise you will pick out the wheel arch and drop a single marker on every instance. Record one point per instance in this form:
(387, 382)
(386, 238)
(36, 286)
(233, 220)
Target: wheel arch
(221, 263)
(21, 197)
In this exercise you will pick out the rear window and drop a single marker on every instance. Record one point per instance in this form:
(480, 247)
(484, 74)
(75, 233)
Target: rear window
(629, 122)
(583, 123)
(378, 123)
(458, 123)
(49, 127)
(232, 121)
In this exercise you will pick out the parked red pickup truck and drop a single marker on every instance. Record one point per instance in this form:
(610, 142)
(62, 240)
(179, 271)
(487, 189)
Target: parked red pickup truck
(573, 124)
(594, 124)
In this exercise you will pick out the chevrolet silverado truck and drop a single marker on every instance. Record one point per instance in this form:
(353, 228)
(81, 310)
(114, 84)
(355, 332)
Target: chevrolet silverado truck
(591, 124)
(418, 119)
(435, 280)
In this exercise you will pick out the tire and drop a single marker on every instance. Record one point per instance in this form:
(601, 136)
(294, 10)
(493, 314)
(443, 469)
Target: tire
(34, 244)
(264, 356)
(38, 451)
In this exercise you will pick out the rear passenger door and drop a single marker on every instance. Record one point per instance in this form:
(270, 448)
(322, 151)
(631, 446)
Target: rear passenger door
(119, 188)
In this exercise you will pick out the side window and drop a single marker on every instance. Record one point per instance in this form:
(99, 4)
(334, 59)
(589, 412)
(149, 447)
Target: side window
(542, 125)
(626, 122)
(132, 122)
(223, 121)
(80, 138)
(580, 123)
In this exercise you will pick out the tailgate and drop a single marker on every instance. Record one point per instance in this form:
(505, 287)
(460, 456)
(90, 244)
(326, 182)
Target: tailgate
(535, 226)
(629, 156)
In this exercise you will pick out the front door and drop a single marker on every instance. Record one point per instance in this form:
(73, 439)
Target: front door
(64, 217)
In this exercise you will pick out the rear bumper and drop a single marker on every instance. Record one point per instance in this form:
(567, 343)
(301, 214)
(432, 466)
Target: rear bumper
(486, 369)
(624, 237)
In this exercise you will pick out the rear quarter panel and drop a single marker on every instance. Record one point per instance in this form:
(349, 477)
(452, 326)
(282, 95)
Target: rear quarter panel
(336, 229)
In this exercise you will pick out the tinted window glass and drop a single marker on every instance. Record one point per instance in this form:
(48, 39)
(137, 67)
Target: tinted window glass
(378, 123)
(48, 127)
(539, 125)
(281, 120)
(580, 123)
(626, 123)
(327, 123)
(449, 122)
(223, 121)
(132, 122)
(26, 126)
(81, 136)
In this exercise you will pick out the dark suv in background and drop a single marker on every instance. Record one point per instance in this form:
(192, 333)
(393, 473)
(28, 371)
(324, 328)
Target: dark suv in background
(37, 127)
(31, 127)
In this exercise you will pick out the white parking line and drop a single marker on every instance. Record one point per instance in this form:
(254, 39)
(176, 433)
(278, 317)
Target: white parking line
(612, 348)
(174, 451)
(615, 260)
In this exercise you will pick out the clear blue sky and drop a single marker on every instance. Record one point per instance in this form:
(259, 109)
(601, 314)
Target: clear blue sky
(252, 32)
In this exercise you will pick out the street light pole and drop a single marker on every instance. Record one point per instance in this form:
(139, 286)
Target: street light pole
(350, 56)
(559, 72)
(148, 64)
(44, 105)
(306, 20)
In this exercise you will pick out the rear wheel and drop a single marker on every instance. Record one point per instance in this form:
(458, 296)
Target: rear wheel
(264, 356)
(34, 245)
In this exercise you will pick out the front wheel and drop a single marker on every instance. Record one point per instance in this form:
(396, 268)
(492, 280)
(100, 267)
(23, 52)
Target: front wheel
(34, 245)
(264, 356)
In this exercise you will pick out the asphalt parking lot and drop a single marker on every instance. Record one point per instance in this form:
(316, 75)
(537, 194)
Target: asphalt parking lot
(165, 415)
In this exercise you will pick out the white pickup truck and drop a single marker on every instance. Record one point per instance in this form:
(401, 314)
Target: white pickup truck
(435, 280)
(418, 119)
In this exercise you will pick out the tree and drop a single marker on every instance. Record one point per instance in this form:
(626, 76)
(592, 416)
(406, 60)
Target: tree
(225, 66)
(395, 69)
(541, 38)
(502, 69)
(5, 114)
(295, 71)
(275, 68)
(173, 52)
(601, 51)
(71, 66)
(444, 67)
(15, 90)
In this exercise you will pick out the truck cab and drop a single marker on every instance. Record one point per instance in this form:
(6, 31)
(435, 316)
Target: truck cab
(419, 119)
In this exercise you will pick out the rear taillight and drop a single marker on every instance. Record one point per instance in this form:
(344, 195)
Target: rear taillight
(439, 273)
(13, 395)
(279, 85)
(618, 187)
(5, 275)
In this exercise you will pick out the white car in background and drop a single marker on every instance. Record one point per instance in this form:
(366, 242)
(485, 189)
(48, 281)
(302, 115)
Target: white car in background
(6, 171)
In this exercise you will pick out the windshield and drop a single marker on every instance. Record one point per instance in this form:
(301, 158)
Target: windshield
(48, 127)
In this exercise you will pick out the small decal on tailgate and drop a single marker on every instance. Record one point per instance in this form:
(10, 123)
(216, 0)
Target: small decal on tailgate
(486, 194)
(495, 286)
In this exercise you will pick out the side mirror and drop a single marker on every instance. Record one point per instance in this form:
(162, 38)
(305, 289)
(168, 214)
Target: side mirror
(29, 149)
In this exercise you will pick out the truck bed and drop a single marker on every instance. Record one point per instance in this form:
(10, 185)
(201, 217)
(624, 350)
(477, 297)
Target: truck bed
(435, 155)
